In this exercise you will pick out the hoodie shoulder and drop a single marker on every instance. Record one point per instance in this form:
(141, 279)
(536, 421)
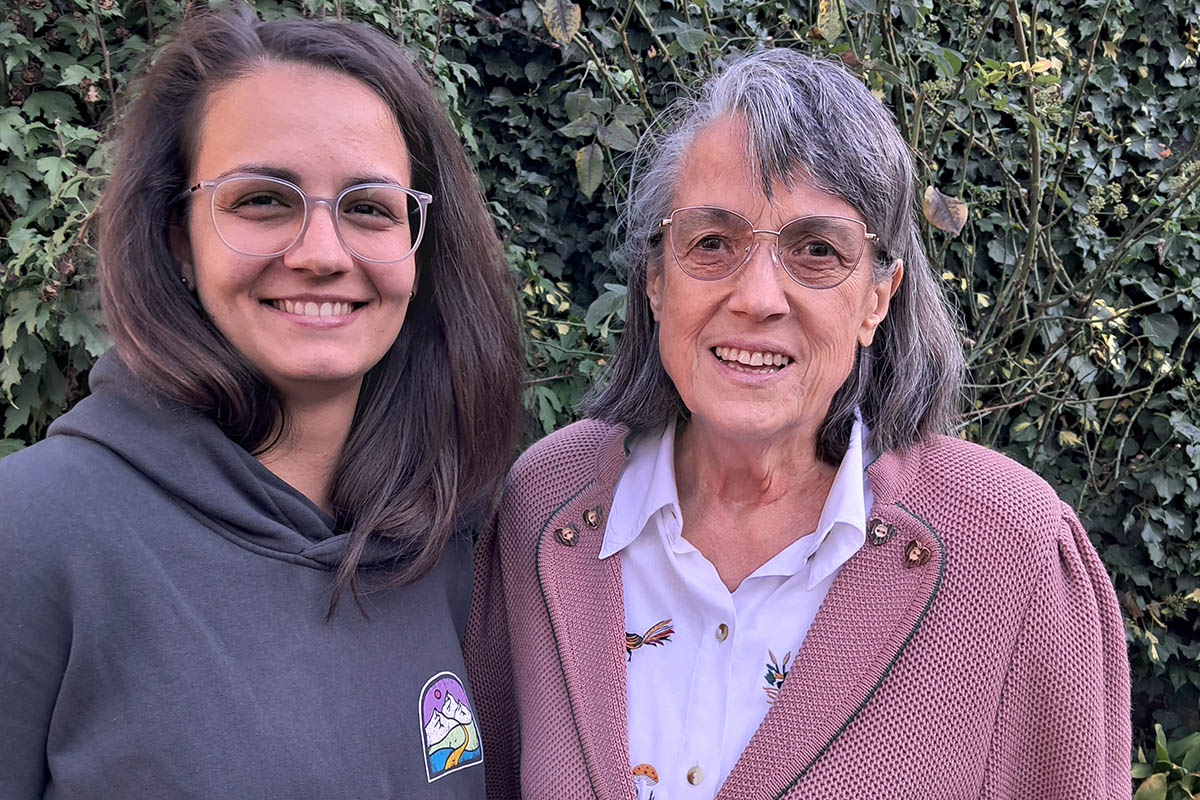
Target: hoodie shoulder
(57, 483)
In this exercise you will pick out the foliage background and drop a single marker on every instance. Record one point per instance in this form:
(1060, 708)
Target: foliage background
(1056, 141)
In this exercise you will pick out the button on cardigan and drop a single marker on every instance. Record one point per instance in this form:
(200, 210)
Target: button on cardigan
(976, 652)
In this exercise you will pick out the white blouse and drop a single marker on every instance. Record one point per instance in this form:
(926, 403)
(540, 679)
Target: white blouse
(705, 663)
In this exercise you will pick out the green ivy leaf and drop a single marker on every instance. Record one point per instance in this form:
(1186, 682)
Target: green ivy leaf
(1161, 329)
(55, 170)
(617, 135)
(1153, 788)
(584, 126)
(11, 137)
(10, 446)
(610, 302)
(691, 39)
(50, 106)
(79, 328)
(589, 168)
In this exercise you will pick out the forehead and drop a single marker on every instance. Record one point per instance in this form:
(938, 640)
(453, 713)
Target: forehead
(716, 170)
(314, 121)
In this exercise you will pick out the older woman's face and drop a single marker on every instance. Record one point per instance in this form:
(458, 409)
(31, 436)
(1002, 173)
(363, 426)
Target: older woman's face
(720, 340)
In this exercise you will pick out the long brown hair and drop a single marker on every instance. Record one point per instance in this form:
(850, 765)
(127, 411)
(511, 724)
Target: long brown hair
(436, 418)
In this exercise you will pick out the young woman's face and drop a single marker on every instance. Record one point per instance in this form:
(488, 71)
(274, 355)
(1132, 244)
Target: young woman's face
(314, 319)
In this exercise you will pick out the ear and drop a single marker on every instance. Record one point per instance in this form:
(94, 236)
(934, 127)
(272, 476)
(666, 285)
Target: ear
(654, 288)
(181, 248)
(878, 302)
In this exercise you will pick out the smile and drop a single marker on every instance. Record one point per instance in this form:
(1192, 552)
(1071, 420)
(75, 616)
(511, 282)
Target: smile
(311, 309)
(757, 362)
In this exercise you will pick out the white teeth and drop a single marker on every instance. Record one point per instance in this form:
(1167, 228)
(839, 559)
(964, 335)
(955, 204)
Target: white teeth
(313, 309)
(752, 358)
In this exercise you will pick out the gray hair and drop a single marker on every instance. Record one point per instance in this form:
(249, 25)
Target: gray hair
(807, 120)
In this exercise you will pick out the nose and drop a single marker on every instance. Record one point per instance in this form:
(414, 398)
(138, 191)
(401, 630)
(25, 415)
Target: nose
(319, 249)
(758, 286)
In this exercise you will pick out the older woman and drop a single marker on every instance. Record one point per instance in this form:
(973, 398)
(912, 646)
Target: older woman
(760, 569)
(311, 396)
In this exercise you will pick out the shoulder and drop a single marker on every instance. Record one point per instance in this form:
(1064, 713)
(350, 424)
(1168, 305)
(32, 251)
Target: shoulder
(58, 471)
(568, 455)
(556, 469)
(983, 503)
(52, 492)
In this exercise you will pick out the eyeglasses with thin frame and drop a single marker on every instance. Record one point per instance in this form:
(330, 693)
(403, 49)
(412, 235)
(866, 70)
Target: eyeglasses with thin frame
(258, 215)
(710, 243)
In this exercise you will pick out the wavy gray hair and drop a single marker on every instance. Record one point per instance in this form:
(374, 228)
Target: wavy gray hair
(807, 120)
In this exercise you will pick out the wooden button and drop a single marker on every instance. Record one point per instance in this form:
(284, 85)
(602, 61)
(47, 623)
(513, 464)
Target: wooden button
(722, 632)
(695, 775)
(593, 516)
(916, 554)
(567, 535)
(879, 532)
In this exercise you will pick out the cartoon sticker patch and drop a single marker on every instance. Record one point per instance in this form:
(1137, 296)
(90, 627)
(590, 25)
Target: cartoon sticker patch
(451, 736)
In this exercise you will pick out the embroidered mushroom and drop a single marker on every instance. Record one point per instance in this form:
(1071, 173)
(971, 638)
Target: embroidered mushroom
(644, 776)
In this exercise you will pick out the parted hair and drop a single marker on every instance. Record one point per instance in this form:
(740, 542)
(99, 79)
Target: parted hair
(809, 120)
(436, 418)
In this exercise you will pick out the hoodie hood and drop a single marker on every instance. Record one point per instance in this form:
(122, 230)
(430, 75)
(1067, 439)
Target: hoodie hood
(188, 456)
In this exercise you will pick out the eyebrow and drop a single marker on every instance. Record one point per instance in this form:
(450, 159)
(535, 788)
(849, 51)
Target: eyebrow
(283, 173)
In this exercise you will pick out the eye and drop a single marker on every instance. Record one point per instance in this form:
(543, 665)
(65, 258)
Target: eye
(257, 200)
(820, 250)
(363, 208)
(711, 242)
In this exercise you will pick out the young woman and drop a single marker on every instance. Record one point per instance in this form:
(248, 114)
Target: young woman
(241, 567)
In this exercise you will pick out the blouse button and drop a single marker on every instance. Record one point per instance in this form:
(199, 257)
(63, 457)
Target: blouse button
(695, 775)
(722, 632)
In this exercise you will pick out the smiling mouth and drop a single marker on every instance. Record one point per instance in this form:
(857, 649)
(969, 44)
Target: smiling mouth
(310, 309)
(753, 362)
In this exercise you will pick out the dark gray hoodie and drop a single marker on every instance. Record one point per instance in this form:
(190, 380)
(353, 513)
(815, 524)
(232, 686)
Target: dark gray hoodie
(162, 633)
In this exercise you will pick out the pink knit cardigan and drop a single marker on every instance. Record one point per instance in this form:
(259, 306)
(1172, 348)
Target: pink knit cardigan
(978, 652)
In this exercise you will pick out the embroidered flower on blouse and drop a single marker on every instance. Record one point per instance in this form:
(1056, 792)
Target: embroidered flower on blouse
(658, 634)
(776, 672)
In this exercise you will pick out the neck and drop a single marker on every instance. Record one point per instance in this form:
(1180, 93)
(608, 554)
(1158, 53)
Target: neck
(309, 451)
(744, 501)
(734, 472)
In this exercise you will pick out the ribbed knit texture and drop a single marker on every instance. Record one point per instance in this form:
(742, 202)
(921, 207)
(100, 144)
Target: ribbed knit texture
(997, 669)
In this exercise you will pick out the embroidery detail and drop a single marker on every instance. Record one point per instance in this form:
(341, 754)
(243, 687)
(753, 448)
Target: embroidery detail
(659, 634)
(776, 672)
(644, 776)
(448, 726)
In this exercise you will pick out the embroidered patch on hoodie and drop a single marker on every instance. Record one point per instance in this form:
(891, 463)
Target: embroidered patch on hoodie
(659, 634)
(448, 726)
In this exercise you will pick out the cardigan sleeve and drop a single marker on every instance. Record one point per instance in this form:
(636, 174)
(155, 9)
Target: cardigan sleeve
(1063, 726)
(487, 651)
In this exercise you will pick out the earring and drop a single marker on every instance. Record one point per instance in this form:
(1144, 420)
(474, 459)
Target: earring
(412, 294)
(183, 279)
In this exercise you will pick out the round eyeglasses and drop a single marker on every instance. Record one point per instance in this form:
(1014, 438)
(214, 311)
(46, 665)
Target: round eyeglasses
(262, 216)
(819, 252)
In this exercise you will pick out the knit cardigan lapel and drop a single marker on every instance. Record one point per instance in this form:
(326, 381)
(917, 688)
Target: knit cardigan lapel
(585, 605)
(873, 609)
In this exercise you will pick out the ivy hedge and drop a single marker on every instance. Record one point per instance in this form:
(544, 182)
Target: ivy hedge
(1057, 155)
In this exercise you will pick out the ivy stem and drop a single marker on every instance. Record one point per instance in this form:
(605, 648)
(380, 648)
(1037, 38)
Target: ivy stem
(108, 81)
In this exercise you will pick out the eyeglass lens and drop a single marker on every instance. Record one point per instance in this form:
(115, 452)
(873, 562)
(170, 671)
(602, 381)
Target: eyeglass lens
(711, 243)
(263, 216)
